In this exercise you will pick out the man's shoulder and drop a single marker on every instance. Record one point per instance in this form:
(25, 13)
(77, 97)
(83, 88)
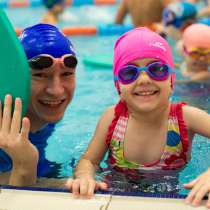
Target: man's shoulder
(43, 133)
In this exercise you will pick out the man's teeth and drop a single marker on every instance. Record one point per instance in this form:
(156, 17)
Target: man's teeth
(145, 93)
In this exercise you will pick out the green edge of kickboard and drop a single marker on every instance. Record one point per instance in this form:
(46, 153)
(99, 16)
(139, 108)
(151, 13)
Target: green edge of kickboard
(14, 69)
(105, 61)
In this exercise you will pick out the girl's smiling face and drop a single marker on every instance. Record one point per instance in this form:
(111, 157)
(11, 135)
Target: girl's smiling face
(146, 94)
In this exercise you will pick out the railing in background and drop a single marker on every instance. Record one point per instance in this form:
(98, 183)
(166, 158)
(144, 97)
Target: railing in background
(36, 3)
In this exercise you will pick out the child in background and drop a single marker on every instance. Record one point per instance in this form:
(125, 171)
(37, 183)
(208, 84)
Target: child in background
(177, 16)
(143, 13)
(55, 8)
(196, 50)
(143, 131)
(204, 12)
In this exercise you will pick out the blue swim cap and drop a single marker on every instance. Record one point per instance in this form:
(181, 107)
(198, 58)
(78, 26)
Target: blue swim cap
(177, 13)
(45, 39)
(50, 3)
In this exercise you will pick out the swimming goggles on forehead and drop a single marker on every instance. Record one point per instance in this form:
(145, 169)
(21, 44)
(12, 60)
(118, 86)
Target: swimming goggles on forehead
(157, 71)
(46, 61)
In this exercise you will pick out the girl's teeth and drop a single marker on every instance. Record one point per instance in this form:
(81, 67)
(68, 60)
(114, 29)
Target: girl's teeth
(146, 93)
(51, 103)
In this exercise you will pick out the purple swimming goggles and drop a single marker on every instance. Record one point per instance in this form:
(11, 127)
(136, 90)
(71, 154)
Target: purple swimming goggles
(157, 71)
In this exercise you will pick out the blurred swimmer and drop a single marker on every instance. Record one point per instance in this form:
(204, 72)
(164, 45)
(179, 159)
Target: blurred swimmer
(55, 8)
(143, 13)
(177, 16)
(196, 50)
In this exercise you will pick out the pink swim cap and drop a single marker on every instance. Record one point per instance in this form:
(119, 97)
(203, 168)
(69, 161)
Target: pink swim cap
(141, 43)
(196, 36)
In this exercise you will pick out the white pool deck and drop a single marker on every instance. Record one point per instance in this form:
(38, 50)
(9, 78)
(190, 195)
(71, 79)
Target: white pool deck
(11, 199)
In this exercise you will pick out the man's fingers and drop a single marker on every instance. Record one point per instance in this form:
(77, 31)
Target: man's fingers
(0, 113)
(25, 128)
(6, 120)
(16, 118)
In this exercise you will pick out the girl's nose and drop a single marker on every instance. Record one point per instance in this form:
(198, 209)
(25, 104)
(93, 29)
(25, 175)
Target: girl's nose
(143, 77)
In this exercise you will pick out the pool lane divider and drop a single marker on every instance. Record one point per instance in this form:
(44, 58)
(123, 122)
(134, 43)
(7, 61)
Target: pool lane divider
(36, 3)
(103, 30)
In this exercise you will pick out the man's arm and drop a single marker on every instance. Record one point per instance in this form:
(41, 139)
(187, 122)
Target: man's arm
(23, 175)
(4, 178)
(14, 141)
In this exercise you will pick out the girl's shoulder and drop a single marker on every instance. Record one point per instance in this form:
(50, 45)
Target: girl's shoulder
(114, 112)
(109, 111)
(108, 115)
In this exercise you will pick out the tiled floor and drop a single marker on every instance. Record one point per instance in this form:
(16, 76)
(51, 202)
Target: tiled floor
(33, 200)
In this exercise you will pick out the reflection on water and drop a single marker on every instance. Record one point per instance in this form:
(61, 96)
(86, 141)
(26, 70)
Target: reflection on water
(162, 181)
(194, 94)
(149, 182)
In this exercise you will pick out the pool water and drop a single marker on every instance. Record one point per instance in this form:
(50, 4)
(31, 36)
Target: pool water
(73, 16)
(95, 92)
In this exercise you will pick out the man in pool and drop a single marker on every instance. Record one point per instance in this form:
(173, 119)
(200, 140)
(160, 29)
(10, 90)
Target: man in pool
(52, 61)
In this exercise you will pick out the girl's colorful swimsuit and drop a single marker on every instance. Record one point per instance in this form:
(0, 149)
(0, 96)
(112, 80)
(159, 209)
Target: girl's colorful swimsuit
(175, 151)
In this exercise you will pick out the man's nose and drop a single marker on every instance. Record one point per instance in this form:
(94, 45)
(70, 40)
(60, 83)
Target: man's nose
(55, 86)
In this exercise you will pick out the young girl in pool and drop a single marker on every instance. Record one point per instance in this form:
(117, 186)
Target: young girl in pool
(143, 131)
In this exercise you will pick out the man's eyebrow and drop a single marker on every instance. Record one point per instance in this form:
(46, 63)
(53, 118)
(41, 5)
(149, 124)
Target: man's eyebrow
(39, 71)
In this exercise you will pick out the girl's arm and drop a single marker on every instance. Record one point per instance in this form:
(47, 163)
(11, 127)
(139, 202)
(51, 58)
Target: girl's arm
(84, 183)
(198, 122)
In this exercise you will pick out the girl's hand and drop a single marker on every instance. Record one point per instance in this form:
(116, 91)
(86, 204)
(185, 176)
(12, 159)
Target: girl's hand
(85, 187)
(200, 187)
(14, 136)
